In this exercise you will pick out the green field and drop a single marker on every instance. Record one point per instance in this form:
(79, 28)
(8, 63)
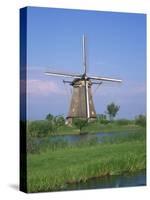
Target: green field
(43, 128)
(96, 127)
(52, 169)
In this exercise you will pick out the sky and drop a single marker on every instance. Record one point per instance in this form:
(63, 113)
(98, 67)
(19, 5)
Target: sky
(116, 45)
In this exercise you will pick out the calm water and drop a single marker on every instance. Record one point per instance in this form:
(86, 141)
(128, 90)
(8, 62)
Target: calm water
(127, 180)
(85, 137)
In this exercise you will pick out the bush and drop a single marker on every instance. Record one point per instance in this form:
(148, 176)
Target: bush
(123, 121)
(43, 128)
(104, 121)
(141, 120)
(80, 123)
(39, 128)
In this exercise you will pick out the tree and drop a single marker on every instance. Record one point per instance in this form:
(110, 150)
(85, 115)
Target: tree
(60, 121)
(112, 110)
(49, 117)
(80, 123)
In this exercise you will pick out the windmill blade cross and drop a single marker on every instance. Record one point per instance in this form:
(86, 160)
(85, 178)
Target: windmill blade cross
(82, 83)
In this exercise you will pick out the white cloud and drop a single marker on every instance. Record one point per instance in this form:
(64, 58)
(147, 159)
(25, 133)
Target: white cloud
(43, 87)
(122, 90)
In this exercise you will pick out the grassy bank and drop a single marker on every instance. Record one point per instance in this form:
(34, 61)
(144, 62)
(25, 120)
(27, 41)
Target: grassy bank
(42, 128)
(55, 125)
(51, 170)
(96, 127)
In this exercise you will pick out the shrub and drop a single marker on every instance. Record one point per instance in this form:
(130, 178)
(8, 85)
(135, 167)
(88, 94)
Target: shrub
(104, 121)
(123, 121)
(40, 128)
(80, 123)
(141, 120)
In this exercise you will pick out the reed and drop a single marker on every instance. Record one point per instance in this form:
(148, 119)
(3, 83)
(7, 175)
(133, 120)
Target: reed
(53, 170)
(39, 145)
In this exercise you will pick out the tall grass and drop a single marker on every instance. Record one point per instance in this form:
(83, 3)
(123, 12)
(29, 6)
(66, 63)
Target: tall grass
(139, 135)
(58, 164)
(36, 145)
(116, 126)
(51, 171)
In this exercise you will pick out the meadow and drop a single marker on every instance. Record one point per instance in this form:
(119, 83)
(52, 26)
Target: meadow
(95, 127)
(57, 126)
(52, 166)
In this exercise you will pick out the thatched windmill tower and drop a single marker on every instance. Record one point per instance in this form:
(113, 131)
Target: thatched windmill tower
(82, 105)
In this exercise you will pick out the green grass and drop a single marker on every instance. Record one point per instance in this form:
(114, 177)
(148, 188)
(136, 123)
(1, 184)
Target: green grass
(52, 170)
(96, 127)
(67, 130)
(38, 145)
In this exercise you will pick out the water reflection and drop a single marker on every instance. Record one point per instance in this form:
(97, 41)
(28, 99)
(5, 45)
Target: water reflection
(101, 137)
(127, 180)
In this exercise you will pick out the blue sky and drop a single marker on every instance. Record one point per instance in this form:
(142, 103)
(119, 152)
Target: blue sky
(116, 48)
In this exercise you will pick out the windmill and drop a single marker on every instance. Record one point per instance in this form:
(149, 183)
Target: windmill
(81, 105)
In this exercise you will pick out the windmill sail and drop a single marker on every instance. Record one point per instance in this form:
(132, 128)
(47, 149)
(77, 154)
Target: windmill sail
(84, 55)
(68, 75)
(104, 79)
(85, 80)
